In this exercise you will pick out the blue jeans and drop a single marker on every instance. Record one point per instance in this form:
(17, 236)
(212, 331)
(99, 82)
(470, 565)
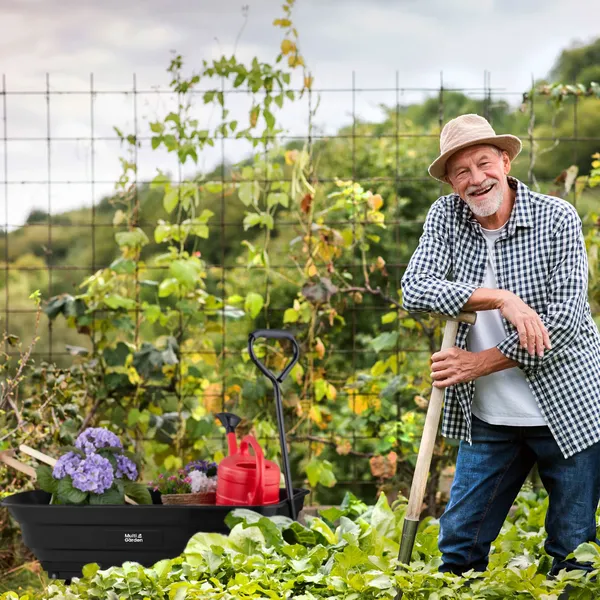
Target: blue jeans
(489, 475)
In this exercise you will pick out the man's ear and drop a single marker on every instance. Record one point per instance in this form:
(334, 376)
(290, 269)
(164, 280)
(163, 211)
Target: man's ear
(506, 162)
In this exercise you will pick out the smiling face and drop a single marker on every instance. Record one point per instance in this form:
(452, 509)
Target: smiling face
(478, 175)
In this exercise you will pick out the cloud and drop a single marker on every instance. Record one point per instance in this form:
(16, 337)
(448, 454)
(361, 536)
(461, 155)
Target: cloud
(369, 42)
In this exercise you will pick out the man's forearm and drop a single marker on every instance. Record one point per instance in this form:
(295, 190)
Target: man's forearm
(484, 299)
(492, 361)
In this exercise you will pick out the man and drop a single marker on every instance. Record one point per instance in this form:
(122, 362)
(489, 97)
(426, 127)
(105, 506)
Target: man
(522, 384)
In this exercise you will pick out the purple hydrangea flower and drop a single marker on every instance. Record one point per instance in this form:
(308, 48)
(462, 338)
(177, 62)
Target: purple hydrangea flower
(94, 474)
(126, 467)
(94, 438)
(66, 465)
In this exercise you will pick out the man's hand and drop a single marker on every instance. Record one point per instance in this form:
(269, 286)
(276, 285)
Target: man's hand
(454, 366)
(532, 331)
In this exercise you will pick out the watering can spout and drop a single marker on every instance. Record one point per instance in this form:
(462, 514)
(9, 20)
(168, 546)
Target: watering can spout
(230, 422)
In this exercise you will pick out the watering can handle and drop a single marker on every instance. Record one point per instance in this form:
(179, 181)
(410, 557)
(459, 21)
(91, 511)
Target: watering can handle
(255, 499)
(276, 334)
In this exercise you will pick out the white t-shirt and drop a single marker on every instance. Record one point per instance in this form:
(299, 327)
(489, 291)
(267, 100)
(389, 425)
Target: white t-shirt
(504, 397)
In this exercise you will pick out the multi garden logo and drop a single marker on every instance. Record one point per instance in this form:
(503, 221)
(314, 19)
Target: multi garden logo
(133, 538)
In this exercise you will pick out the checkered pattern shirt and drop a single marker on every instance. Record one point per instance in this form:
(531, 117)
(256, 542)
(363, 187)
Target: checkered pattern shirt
(541, 257)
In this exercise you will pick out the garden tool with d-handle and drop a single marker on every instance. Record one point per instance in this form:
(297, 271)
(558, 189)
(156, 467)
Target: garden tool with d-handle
(432, 420)
(278, 334)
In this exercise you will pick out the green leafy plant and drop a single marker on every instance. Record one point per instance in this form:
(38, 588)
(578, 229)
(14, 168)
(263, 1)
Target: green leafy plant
(347, 553)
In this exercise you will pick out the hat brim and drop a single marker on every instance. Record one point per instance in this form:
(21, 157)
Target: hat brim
(510, 143)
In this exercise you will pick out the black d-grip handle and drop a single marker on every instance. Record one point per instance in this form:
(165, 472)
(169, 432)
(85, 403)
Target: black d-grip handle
(276, 334)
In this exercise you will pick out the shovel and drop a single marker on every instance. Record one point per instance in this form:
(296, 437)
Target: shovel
(432, 420)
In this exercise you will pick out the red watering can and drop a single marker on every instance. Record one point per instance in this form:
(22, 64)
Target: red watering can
(243, 478)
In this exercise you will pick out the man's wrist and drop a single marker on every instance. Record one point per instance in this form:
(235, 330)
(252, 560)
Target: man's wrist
(491, 361)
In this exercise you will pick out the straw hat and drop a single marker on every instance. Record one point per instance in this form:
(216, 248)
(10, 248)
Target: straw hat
(469, 130)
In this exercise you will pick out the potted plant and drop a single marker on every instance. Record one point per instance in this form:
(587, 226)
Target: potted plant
(196, 483)
(97, 470)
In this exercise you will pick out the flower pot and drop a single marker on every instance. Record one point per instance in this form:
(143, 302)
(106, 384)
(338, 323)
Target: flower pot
(193, 499)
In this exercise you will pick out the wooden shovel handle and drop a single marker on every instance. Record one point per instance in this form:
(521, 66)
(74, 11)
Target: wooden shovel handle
(462, 317)
(432, 420)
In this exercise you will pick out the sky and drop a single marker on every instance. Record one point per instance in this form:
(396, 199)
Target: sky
(60, 43)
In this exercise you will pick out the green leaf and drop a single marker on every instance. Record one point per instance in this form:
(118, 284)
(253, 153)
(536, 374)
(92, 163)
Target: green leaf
(164, 232)
(327, 477)
(320, 389)
(68, 494)
(168, 286)
(45, 480)
(116, 301)
(133, 416)
(170, 142)
(382, 518)
(88, 571)
(290, 316)
(138, 492)
(587, 552)
(174, 117)
(251, 220)
(321, 527)
(253, 304)
(123, 266)
(389, 317)
(184, 271)
(332, 514)
(111, 496)
(267, 219)
(277, 198)
(320, 471)
(171, 199)
(385, 341)
(133, 239)
(269, 118)
(200, 231)
(159, 181)
(249, 192)
(55, 306)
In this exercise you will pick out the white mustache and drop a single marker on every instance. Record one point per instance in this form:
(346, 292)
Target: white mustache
(474, 189)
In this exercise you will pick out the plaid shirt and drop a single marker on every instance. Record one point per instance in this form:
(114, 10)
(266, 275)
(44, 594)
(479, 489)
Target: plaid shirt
(541, 257)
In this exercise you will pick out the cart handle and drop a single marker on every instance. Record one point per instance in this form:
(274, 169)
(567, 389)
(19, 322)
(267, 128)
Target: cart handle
(276, 334)
(279, 334)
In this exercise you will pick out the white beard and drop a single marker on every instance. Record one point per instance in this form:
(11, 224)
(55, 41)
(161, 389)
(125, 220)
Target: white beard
(489, 205)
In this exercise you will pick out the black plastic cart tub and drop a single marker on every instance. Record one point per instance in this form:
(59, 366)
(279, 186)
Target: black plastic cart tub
(65, 538)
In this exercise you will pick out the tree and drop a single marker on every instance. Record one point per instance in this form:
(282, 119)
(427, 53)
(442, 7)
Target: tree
(578, 64)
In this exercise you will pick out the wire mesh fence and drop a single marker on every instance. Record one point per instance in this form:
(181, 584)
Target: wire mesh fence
(59, 156)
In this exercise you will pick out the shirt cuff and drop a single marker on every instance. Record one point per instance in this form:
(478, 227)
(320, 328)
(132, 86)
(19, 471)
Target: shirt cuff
(453, 297)
(511, 348)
